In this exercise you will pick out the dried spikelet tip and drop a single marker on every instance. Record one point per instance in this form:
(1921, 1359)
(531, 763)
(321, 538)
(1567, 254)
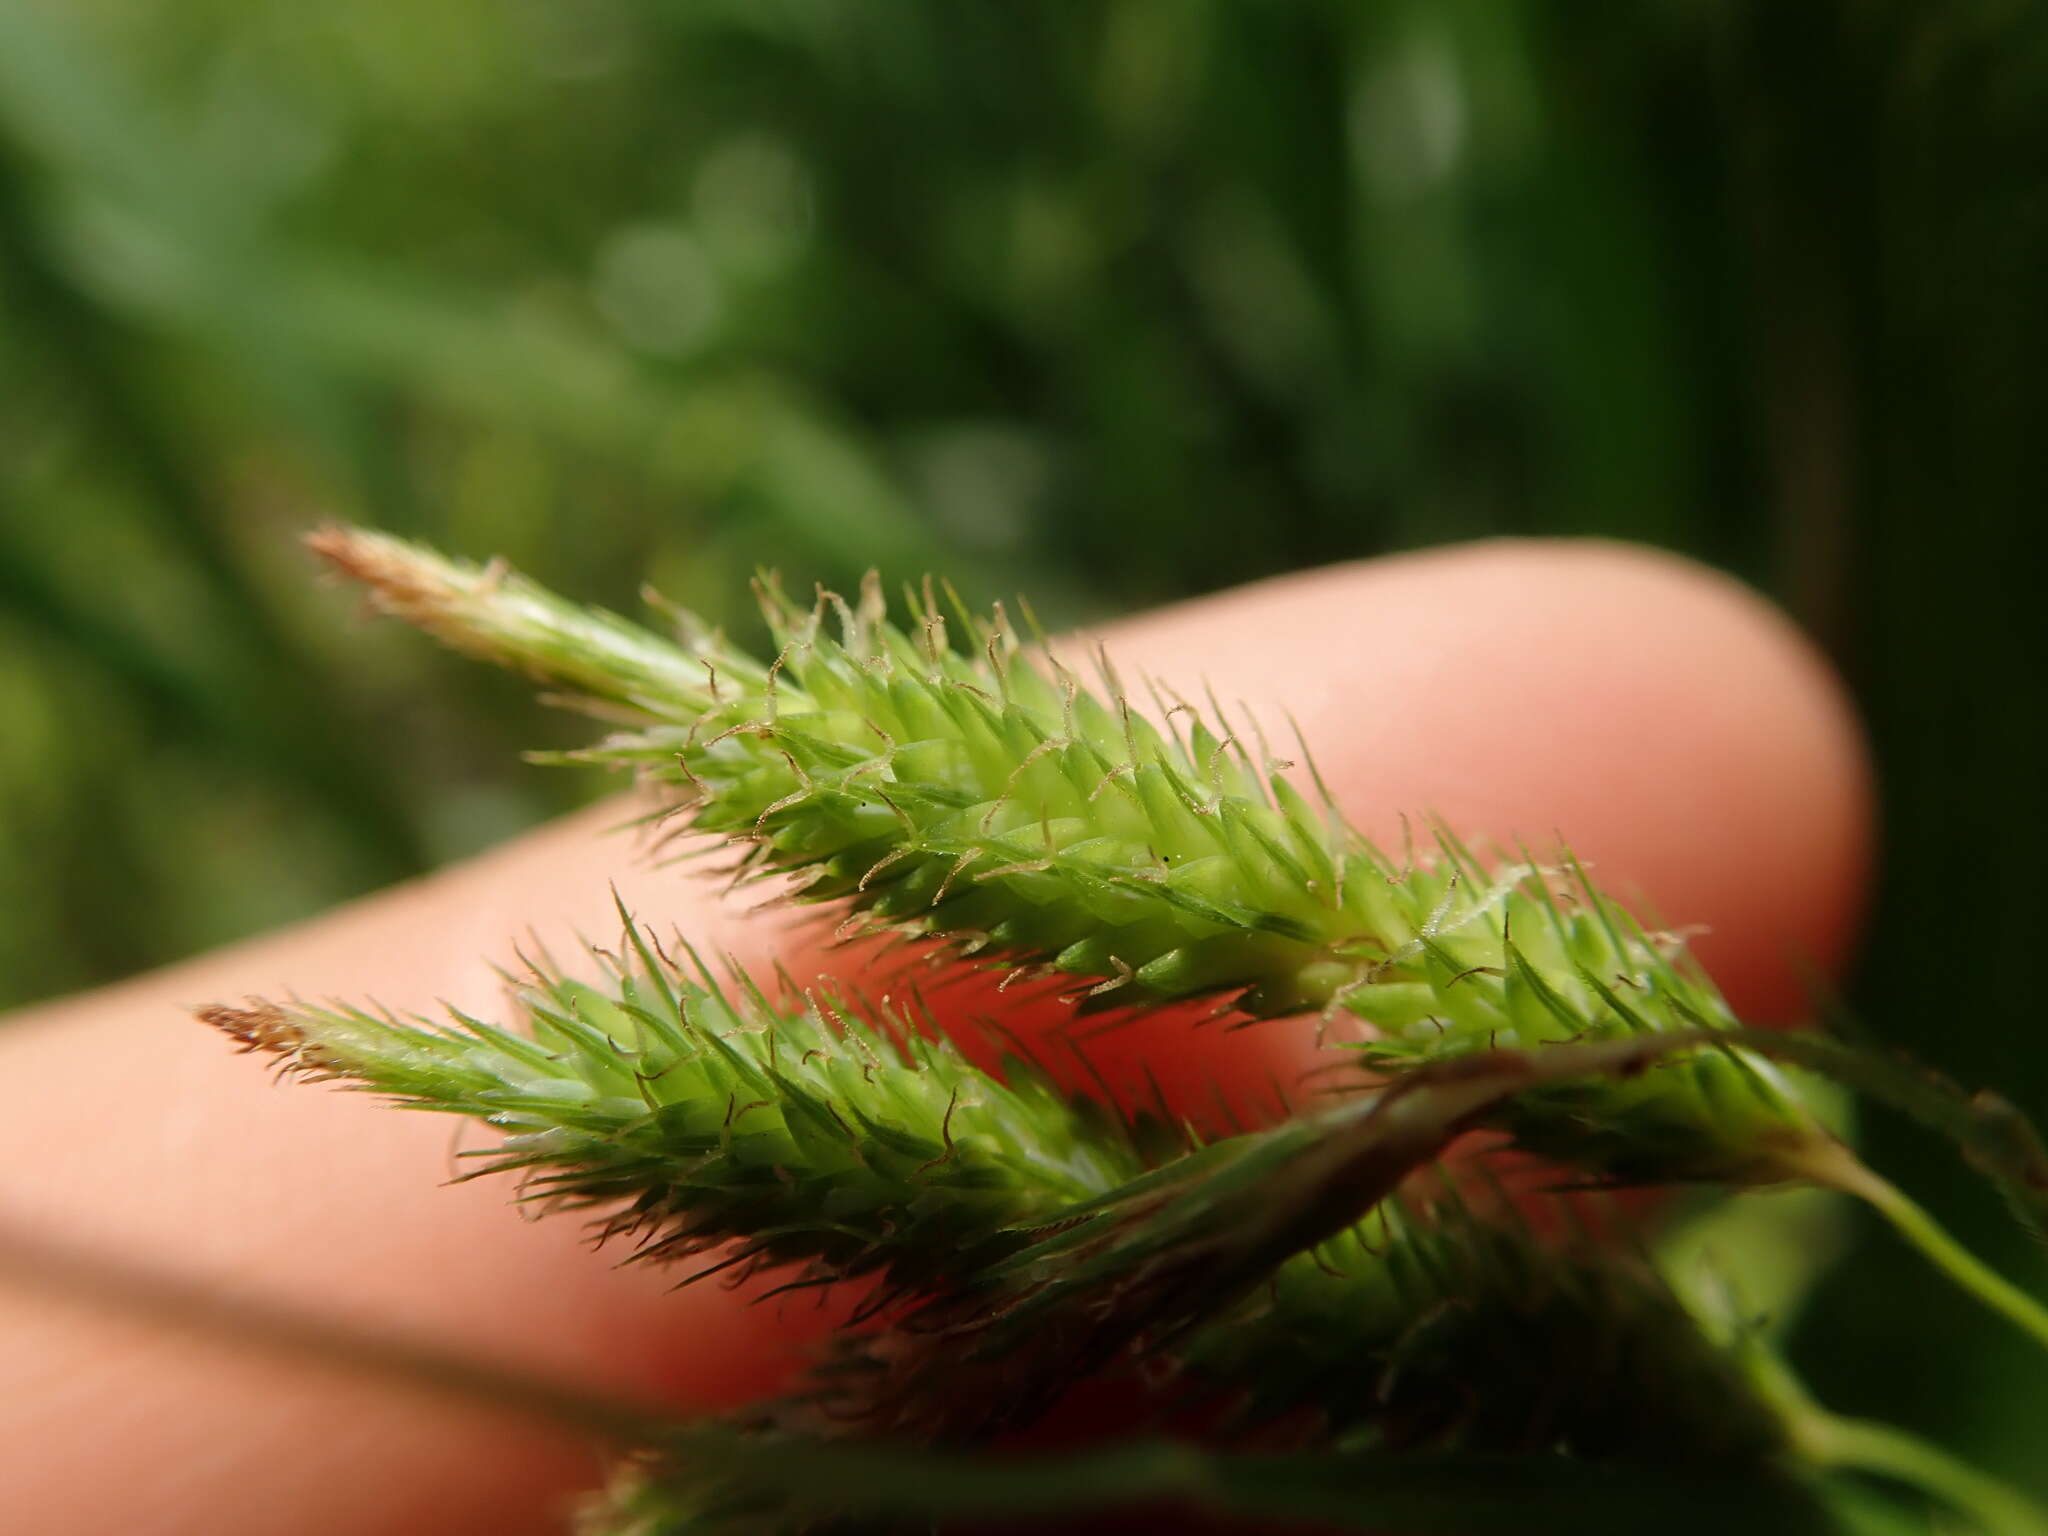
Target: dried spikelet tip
(404, 582)
(262, 1026)
(382, 564)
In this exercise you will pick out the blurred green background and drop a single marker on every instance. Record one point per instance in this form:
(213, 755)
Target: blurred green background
(1109, 302)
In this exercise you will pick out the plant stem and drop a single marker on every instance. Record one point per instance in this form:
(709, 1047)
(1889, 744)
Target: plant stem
(1836, 1167)
(1862, 1446)
(1830, 1442)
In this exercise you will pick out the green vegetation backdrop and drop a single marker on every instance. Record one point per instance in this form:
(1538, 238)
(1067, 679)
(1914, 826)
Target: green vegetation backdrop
(1109, 302)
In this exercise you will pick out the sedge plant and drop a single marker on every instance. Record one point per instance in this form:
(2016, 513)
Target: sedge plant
(1355, 1334)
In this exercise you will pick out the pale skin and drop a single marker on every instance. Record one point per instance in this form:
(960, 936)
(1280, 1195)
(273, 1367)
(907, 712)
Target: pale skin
(1671, 726)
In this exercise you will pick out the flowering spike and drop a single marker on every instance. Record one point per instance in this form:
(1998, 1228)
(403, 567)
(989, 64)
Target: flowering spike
(1037, 1238)
(1284, 1277)
(697, 1115)
(1032, 822)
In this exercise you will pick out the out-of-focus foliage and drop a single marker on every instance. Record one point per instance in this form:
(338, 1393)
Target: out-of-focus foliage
(1111, 302)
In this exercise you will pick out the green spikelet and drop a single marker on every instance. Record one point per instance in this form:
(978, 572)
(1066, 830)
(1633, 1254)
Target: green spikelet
(694, 1116)
(1398, 1361)
(1487, 1347)
(1023, 1240)
(1027, 1238)
(983, 796)
(1423, 1333)
(1427, 1326)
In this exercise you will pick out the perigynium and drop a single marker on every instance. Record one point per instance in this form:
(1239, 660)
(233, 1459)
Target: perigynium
(1311, 1288)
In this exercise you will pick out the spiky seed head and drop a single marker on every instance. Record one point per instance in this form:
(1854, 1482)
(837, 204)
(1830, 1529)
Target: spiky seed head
(988, 797)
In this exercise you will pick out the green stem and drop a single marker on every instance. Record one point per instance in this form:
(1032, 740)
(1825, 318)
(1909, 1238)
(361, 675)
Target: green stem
(1861, 1446)
(1836, 1167)
(1832, 1443)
